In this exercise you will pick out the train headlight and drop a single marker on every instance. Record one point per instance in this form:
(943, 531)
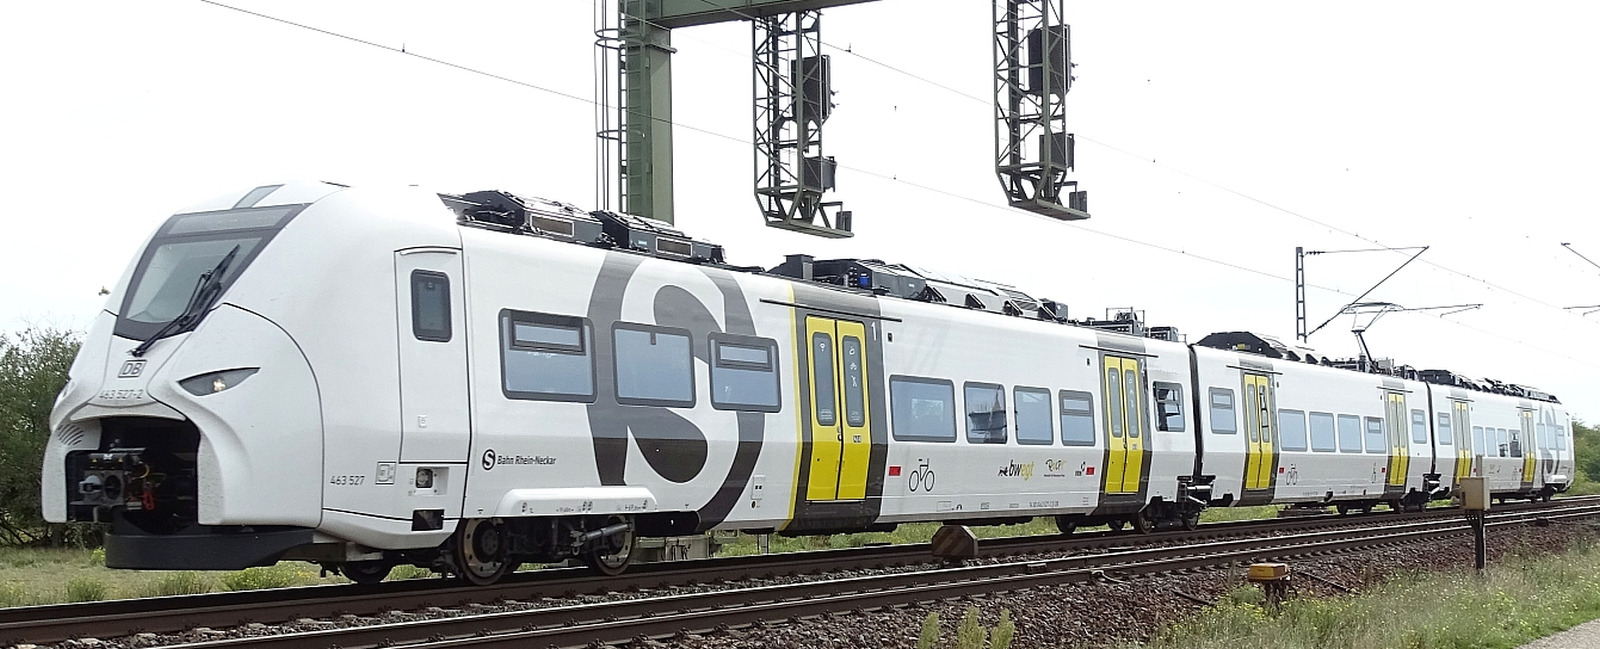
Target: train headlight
(214, 382)
(424, 478)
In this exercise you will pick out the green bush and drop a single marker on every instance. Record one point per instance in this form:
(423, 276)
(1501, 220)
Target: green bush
(409, 572)
(179, 583)
(278, 576)
(971, 634)
(930, 632)
(86, 589)
(33, 368)
(1003, 632)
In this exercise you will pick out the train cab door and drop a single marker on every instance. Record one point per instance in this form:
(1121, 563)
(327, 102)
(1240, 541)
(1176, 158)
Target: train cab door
(434, 424)
(1399, 448)
(1260, 446)
(1529, 448)
(1125, 425)
(836, 382)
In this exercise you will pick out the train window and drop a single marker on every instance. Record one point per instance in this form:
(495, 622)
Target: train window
(855, 411)
(430, 306)
(1349, 434)
(1077, 418)
(1169, 406)
(1545, 443)
(654, 365)
(1223, 419)
(1445, 436)
(1500, 439)
(1561, 437)
(1419, 427)
(1323, 438)
(822, 380)
(924, 410)
(1516, 443)
(744, 373)
(986, 413)
(1478, 441)
(1114, 400)
(1377, 439)
(1292, 430)
(545, 357)
(1033, 416)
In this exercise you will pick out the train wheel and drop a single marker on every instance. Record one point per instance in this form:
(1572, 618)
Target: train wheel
(366, 572)
(1342, 508)
(1143, 522)
(1191, 521)
(1545, 495)
(480, 551)
(615, 561)
(1066, 524)
(1117, 525)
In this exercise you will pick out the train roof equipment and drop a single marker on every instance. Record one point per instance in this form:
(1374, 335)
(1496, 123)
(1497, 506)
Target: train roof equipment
(516, 214)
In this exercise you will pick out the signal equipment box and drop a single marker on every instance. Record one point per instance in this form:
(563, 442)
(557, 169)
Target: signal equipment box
(1474, 493)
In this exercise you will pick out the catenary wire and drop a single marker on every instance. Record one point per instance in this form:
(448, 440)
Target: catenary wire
(888, 177)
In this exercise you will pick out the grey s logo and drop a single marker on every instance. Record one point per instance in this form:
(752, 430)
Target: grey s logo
(130, 369)
(488, 459)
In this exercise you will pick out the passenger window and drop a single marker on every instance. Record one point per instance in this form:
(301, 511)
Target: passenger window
(654, 366)
(1033, 416)
(1223, 419)
(1169, 406)
(1500, 436)
(1480, 441)
(1561, 438)
(822, 377)
(1445, 436)
(1349, 434)
(1323, 437)
(1377, 441)
(1419, 427)
(855, 413)
(1114, 404)
(1516, 442)
(744, 373)
(924, 410)
(1292, 430)
(986, 413)
(545, 357)
(1131, 388)
(430, 306)
(1077, 418)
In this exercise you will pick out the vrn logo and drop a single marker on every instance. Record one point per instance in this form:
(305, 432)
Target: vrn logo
(131, 369)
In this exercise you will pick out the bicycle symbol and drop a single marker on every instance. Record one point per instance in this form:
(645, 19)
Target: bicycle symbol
(921, 477)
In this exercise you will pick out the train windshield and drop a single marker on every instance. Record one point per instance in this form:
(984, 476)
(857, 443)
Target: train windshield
(186, 247)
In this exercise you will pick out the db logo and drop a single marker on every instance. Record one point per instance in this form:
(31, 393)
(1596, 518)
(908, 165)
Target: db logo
(131, 369)
(488, 459)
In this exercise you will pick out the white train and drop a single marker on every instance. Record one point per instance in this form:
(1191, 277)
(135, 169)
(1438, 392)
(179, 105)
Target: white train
(368, 377)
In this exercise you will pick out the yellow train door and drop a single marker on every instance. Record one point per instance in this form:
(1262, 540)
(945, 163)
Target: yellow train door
(1399, 450)
(1260, 451)
(836, 383)
(1530, 452)
(1125, 428)
(1462, 429)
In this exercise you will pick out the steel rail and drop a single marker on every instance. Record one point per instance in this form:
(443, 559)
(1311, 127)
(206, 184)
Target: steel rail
(116, 618)
(609, 622)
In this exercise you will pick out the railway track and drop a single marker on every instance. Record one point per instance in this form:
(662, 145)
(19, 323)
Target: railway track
(1121, 552)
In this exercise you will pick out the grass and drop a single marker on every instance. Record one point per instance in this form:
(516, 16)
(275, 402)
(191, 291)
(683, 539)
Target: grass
(1520, 599)
(35, 576)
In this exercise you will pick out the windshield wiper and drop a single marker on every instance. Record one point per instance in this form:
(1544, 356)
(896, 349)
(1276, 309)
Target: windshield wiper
(205, 292)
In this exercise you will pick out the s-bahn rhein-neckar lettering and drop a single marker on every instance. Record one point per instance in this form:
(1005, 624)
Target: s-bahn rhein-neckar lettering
(368, 377)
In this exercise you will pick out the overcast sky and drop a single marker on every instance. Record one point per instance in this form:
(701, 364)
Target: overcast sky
(1214, 138)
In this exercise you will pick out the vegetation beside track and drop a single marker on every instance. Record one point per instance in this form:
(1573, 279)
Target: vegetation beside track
(1517, 600)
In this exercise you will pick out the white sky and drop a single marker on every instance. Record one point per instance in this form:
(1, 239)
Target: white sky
(1466, 126)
